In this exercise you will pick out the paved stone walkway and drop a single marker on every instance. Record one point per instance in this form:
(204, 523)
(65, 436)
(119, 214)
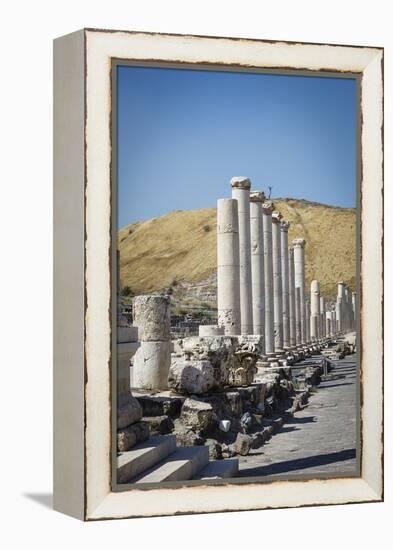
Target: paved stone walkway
(318, 441)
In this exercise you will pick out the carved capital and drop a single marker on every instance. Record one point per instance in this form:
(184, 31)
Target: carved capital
(257, 196)
(298, 243)
(285, 225)
(241, 182)
(268, 207)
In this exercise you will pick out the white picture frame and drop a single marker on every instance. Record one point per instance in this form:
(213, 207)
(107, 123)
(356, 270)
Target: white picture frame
(83, 249)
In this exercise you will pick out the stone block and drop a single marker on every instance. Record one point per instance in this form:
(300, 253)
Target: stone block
(152, 317)
(130, 436)
(159, 425)
(159, 406)
(243, 444)
(129, 410)
(192, 377)
(235, 402)
(215, 450)
(200, 417)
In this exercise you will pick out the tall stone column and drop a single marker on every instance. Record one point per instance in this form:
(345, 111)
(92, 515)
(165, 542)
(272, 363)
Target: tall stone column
(334, 322)
(350, 309)
(322, 329)
(328, 327)
(241, 192)
(292, 305)
(277, 281)
(308, 318)
(257, 198)
(286, 329)
(267, 209)
(298, 247)
(354, 309)
(228, 267)
(298, 316)
(340, 306)
(315, 311)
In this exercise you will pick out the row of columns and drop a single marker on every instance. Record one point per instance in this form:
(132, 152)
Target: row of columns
(261, 281)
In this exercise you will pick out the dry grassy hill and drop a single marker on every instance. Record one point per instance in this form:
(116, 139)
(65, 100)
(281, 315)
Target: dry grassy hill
(181, 246)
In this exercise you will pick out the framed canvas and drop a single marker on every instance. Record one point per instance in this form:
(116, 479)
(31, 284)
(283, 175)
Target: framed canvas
(196, 348)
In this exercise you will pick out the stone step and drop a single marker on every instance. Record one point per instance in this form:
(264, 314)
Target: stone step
(217, 469)
(143, 456)
(183, 464)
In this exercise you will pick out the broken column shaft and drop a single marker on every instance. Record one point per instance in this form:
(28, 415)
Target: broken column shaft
(228, 268)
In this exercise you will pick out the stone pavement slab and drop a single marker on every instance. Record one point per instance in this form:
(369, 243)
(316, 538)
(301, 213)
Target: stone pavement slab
(319, 440)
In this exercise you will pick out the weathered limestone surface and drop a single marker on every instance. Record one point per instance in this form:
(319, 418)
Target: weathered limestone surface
(151, 365)
(298, 247)
(257, 262)
(151, 315)
(228, 266)
(286, 329)
(199, 416)
(322, 329)
(201, 364)
(129, 436)
(315, 310)
(241, 192)
(308, 318)
(340, 306)
(277, 281)
(292, 303)
(129, 410)
(267, 209)
(189, 377)
(298, 316)
(152, 360)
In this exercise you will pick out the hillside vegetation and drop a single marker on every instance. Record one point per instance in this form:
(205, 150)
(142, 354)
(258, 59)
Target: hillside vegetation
(181, 246)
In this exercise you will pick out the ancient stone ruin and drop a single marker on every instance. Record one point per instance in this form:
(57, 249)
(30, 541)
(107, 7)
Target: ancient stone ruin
(187, 405)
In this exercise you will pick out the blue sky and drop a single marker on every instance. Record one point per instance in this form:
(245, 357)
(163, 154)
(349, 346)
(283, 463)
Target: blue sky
(182, 135)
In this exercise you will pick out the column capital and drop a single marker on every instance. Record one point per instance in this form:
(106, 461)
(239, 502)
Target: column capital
(241, 182)
(285, 225)
(298, 243)
(268, 207)
(257, 196)
(276, 216)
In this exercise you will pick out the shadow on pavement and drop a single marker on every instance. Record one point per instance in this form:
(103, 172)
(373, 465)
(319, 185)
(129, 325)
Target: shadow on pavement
(300, 463)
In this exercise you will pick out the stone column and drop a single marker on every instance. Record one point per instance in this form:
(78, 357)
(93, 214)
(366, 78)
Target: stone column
(354, 309)
(286, 329)
(298, 247)
(322, 329)
(152, 360)
(315, 311)
(241, 192)
(292, 305)
(298, 316)
(257, 198)
(267, 209)
(328, 324)
(228, 267)
(308, 319)
(340, 306)
(350, 310)
(277, 281)
(334, 322)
